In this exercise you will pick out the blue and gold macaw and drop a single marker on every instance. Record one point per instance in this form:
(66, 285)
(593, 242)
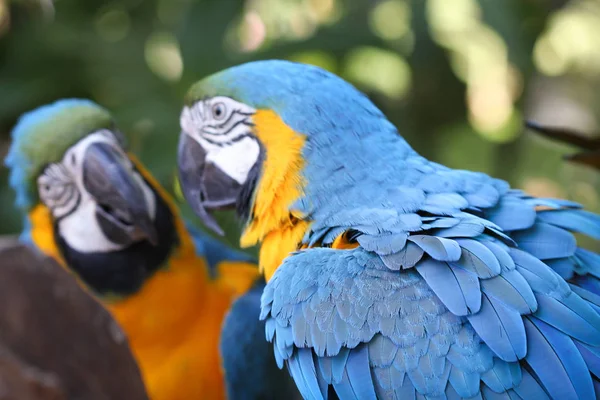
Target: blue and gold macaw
(390, 276)
(188, 304)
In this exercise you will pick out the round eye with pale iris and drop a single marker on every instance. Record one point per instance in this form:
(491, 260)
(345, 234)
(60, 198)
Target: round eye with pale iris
(218, 111)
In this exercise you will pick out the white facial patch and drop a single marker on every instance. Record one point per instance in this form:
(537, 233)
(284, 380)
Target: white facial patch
(222, 126)
(81, 230)
(236, 159)
(62, 190)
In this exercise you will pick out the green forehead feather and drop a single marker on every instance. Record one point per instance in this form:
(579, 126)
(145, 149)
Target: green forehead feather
(207, 87)
(42, 136)
(229, 82)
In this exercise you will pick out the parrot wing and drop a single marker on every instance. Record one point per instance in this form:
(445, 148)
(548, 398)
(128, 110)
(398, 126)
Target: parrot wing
(491, 321)
(544, 227)
(250, 368)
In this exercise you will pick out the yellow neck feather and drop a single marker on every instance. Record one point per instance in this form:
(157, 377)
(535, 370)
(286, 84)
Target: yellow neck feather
(279, 186)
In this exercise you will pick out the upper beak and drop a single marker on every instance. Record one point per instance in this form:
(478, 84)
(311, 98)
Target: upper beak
(122, 211)
(203, 184)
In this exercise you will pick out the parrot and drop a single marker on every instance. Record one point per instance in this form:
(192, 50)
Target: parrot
(188, 304)
(389, 276)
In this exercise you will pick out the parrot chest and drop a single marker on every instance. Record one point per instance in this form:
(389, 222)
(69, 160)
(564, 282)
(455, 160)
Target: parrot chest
(174, 326)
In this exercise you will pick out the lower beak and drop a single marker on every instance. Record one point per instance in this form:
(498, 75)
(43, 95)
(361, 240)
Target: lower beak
(122, 210)
(204, 185)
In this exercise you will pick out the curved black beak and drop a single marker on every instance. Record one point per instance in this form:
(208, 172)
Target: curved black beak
(204, 185)
(122, 210)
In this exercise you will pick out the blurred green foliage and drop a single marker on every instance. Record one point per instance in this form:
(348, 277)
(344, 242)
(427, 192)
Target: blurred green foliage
(456, 77)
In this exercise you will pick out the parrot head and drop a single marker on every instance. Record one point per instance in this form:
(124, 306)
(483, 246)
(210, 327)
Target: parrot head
(278, 130)
(69, 159)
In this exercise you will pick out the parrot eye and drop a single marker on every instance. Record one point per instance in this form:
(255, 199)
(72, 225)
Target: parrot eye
(218, 111)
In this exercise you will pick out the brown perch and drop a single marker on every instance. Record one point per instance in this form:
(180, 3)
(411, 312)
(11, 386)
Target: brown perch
(56, 341)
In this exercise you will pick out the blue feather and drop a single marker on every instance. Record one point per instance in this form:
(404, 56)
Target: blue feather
(466, 228)
(571, 315)
(591, 355)
(466, 384)
(588, 261)
(442, 281)
(382, 351)
(597, 387)
(270, 326)
(531, 388)
(439, 222)
(294, 368)
(538, 275)
(439, 248)
(444, 203)
(383, 244)
(405, 391)
(590, 297)
(485, 197)
(489, 394)
(546, 241)
(501, 329)
(501, 236)
(307, 368)
(562, 266)
(499, 378)
(512, 214)
(470, 289)
(574, 220)
(587, 282)
(405, 199)
(450, 394)
(359, 373)
(511, 289)
(569, 356)
(338, 364)
(547, 364)
(504, 259)
(344, 389)
(325, 369)
(477, 259)
(408, 257)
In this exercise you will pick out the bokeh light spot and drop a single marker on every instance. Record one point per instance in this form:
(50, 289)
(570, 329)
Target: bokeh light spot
(571, 41)
(252, 32)
(390, 19)
(380, 70)
(163, 56)
(113, 25)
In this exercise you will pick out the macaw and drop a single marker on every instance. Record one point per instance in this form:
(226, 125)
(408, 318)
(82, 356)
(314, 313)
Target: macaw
(389, 276)
(188, 304)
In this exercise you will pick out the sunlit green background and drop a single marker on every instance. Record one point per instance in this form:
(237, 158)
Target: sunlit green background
(456, 76)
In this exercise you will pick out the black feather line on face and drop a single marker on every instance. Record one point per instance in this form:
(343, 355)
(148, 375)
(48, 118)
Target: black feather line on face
(243, 121)
(123, 272)
(244, 202)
